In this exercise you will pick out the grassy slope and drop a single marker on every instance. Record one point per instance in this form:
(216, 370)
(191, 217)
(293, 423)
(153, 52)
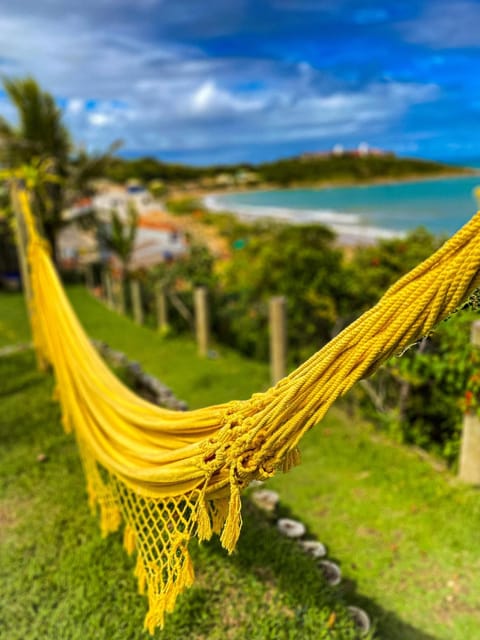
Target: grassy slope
(61, 580)
(14, 327)
(199, 381)
(405, 534)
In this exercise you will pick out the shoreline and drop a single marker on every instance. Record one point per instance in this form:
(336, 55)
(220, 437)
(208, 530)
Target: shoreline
(337, 184)
(347, 226)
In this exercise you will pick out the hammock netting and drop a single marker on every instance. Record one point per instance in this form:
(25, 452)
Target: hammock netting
(170, 476)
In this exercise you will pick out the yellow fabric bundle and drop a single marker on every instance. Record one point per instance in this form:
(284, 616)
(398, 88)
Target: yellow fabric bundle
(170, 475)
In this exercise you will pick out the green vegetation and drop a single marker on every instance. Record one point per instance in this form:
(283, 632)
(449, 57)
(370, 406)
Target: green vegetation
(417, 399)
(119, 237)
(420, 398)
(60, 579)
(199, 381)
(403, 530)
(300, 263)
(148, 169)
(183, 205)
(287, 171)
(41, 148)
(14, 326)
(374, 268)
(349, 168)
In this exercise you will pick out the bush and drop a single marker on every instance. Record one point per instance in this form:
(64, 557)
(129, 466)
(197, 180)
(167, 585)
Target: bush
(423, 392)
(300, 263)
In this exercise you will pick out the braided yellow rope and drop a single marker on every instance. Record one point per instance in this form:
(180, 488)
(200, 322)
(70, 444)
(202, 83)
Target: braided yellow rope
(170, 476)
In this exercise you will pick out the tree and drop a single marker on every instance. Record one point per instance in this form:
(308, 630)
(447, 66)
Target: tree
(298, 262)
(374, 268)
(39, 136)
(119, 236)
(40, 139)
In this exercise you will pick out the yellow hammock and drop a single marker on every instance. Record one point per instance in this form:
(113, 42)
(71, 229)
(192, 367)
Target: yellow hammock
(171, 475)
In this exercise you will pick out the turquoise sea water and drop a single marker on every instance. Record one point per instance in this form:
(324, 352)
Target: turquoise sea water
(440, 205)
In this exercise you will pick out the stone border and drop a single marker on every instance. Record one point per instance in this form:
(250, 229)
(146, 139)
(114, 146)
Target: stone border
(267, 501)
(144, 384)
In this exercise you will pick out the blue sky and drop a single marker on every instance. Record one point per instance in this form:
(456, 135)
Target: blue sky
(252, 80)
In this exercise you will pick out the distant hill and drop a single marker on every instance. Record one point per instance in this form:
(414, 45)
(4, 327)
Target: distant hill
(351, 168)
(309, 169)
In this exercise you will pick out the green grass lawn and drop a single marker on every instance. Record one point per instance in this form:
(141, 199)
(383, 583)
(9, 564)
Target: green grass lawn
(62, 581)
(14, 327)
(405, 534)
(199, 381)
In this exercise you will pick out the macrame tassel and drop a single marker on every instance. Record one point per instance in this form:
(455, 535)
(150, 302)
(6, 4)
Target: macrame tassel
(156, 613)
(129, 539)
(219, 514)
(162, 597)
(233, 522)
(110, 516)
(91, 492)
(204, 523)
(92, 478)
(140, 574)
(171, 598)
(187, 576)
(292, 459)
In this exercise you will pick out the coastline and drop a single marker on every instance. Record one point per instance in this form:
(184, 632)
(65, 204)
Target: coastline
(347, 226)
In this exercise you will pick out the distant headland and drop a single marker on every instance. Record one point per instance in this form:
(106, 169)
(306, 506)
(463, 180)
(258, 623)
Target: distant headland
(337, 166)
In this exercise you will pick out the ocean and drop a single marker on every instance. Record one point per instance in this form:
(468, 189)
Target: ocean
(441, 205)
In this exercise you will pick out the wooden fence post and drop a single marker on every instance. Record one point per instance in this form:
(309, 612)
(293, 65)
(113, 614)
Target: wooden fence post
(120, 296)
(89, 280)
(469, 467)
(201, 320)
(161, 306)
(278, 338)
(136, 301)
(107, 288)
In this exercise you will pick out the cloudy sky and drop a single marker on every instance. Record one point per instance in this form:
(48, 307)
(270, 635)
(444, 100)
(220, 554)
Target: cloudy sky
(249, 80)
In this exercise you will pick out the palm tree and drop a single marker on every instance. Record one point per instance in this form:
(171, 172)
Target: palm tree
(39, 132)
(41, 139)
(119, 236)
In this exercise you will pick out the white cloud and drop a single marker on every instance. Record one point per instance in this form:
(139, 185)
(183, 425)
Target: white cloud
(100, 119)
(445, 24)
(210, 101)
(75, 105)
(171, 97)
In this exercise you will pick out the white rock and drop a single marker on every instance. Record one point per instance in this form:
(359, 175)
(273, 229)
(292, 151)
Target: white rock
(291, 528)
(360, 619)
(331, 572)
(313, 547)
(265, 499)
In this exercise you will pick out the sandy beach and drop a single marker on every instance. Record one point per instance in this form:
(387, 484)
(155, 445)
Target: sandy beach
(347, 226)
(364, 214)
